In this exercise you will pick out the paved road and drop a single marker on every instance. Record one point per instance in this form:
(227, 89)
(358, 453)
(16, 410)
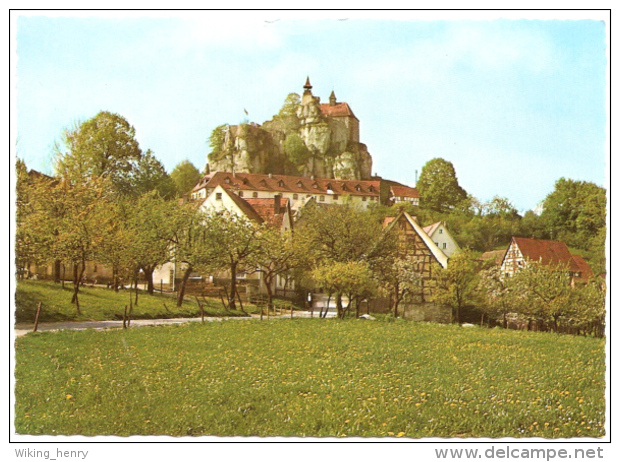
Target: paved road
(23, 329)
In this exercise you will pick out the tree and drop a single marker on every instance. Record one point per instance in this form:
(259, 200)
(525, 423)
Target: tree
(103, 146)
(574, 212)
(185, 176)
(150, 175)
(498, 292)
(545, 292)
(396, 270)
(278, 255)
(455, 286)
(438, 186)
(230, 242)
(296, 150)
(65, 223)
(351, 279)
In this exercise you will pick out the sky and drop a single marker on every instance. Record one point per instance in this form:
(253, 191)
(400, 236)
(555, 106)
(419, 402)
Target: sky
(513, 104)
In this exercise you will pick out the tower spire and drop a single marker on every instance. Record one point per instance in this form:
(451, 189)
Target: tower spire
(308, 86)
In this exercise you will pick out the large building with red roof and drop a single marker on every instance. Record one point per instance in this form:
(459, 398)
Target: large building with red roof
(554, 254)
(298, 189)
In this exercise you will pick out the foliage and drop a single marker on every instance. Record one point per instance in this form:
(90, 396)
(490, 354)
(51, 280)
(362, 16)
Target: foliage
(456, 284)
(498, 293)
(574, 212)
(185, 176)
(150, 175)
(545, 293)
(306, 377)
(438, 186)
(352, 280)
(296, 150)
(217, 143)
(103, 146)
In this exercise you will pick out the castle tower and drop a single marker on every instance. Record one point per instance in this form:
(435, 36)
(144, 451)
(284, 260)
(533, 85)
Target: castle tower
(332, 99)
(309, 111)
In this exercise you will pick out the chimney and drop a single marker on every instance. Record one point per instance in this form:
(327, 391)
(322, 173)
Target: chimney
(270, 175)
(276, 204)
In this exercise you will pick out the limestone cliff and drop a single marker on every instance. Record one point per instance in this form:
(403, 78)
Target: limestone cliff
(329, 146)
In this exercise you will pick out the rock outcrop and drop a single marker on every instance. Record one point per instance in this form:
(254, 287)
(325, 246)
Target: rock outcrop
(330, 135)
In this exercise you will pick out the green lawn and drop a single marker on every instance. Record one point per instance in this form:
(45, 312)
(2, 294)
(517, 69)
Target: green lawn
(310, 377)
(99, 304)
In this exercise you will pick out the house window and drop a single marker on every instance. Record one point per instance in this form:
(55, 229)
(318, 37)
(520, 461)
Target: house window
(254, 194)
(335, 197)
(240, 193)
(444, 245)
(322, 198)
(437, 244)
(364, 198)
(440, 231)
(218, 196)
(295, 196)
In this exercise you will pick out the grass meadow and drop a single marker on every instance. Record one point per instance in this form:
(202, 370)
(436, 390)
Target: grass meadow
(99, 304)
(310, 377)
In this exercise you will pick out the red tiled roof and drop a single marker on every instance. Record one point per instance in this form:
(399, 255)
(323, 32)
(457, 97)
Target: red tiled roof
(430, 229)
(584, 268)
(547, 252)
(285, 183)
(337, 110)
(245, 207)
(266, 209)
(404, 191)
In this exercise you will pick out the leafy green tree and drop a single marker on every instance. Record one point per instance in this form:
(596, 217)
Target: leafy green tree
(185, 176)
(498, 294)
(231, 242)
(456, 285)
(278, 255)
(575, 212)
(150, 175)
(296, 150)
(438, 186)
(103, 146)
(351, 279)
(286, 120)
(545, 293)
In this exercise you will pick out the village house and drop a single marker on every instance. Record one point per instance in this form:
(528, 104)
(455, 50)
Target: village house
(549, 253)
(442, 238)
(274, 212)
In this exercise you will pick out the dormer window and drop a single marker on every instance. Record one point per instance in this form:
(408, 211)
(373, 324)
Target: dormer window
(371, 189)
(329, 186)
(281, 184)
(358, 188)
(227, 180)
(315, 185)
(245, 181)
(344, 187)
(263, 183)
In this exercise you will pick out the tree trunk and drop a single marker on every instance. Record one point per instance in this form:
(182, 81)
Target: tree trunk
(57, 271)
(340, 311)
(357, 308)
(181, 293)
(148, 274)
(233, 286)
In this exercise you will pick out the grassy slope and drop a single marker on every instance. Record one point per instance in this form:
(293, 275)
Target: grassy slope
(100, 304)
(310, 378)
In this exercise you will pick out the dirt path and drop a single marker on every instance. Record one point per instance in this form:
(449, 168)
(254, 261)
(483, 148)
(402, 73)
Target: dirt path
(24, 328)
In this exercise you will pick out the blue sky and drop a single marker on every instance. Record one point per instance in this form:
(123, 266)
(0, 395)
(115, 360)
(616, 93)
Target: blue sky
(513, 104)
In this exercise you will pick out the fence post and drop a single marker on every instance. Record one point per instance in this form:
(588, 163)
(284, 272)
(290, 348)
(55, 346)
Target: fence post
(125, 318)
(36, 318)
